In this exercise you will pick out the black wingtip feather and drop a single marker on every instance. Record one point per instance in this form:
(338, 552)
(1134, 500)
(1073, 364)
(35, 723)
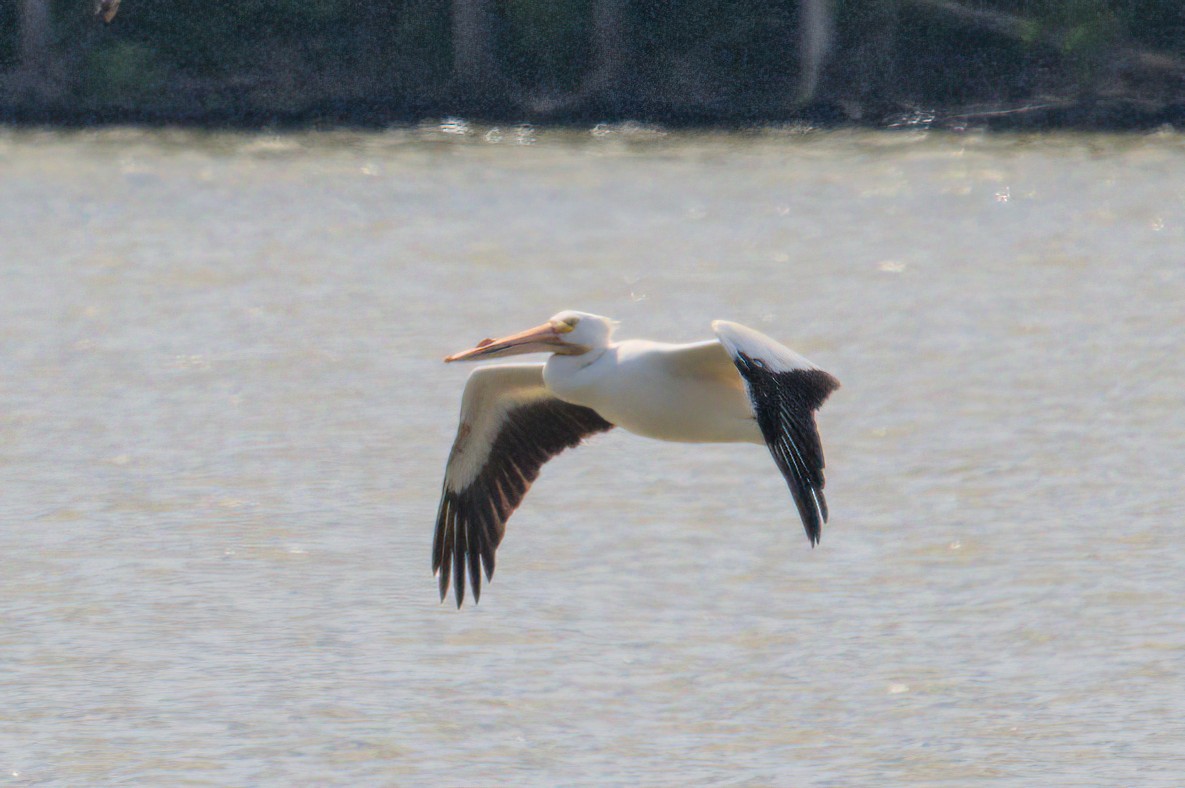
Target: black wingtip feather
(471, 521)
(460, 548)
(475, 571)
(487, 559)
(784, 404)
(442, 576)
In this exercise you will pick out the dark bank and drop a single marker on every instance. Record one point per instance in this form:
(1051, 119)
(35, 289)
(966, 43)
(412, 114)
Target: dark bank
(1030, 64)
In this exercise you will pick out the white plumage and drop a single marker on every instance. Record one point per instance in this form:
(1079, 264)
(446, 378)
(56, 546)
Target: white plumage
(740, 387)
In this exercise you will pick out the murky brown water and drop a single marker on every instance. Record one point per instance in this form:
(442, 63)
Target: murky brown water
(223, 422)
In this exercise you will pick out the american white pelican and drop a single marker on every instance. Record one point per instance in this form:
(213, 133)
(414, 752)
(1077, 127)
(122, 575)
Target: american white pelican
(740, 387)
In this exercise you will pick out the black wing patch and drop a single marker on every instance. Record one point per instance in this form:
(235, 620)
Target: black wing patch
(785, 404)
(471, 522)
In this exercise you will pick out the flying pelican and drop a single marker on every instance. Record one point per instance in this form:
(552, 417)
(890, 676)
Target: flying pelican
(740, 387)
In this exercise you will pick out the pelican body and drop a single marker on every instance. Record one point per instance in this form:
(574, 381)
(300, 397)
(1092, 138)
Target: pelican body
(741, 387)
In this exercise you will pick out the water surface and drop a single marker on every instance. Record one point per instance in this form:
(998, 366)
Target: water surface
(223, 423)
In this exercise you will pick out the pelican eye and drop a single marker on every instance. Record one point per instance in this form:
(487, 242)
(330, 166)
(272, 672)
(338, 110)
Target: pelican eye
(566, 325)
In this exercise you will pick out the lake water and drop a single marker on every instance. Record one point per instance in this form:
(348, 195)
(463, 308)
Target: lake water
(224, 420)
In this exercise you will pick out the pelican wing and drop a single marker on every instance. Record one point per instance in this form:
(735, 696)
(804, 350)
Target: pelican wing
(510, 425)
(785, 390)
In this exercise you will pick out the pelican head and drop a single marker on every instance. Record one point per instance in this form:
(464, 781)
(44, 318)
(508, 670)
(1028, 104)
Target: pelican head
(568, 333)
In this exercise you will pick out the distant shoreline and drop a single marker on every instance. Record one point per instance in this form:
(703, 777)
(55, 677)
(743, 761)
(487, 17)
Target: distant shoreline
(1100, 115)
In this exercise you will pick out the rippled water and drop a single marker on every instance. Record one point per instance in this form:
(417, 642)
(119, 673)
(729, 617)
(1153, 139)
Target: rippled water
(223, 423)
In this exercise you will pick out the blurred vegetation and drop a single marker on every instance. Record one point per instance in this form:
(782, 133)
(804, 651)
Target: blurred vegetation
(707, 60)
